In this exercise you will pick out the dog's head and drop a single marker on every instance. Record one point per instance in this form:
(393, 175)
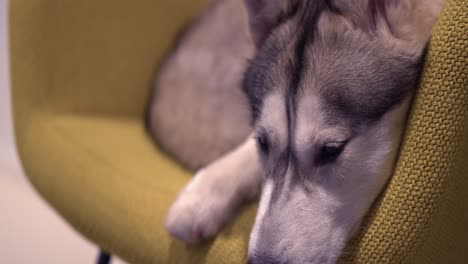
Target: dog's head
(329, 87)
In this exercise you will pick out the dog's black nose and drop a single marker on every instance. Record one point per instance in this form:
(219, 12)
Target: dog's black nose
(263, 259)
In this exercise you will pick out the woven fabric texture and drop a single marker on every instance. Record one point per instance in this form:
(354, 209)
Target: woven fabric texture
(81, 73)
(422, 217)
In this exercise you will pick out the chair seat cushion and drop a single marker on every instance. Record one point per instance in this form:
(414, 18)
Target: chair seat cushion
(106, 178)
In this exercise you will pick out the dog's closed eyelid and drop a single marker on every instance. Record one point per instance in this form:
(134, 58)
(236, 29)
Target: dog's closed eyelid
(263, 143)
(267, 132)
(329, 152)
(334, 144)
(336, 141)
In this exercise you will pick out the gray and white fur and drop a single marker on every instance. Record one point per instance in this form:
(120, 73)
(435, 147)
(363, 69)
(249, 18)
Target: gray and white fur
(327, 87)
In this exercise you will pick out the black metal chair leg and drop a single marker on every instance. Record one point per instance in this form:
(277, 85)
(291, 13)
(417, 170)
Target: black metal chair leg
(103, 258)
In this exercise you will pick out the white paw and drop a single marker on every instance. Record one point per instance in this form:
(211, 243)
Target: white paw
(200, 210)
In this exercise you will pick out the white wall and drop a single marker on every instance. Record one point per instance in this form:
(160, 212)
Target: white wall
(6, 133)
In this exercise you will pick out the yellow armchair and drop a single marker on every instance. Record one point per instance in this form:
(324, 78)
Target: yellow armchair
(81, 77)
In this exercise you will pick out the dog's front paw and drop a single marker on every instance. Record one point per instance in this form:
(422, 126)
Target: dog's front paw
(200, 210)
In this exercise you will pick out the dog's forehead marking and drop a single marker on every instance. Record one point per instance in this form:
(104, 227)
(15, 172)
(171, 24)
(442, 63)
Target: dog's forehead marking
(276, 120)
(316, 125)
(273, 117)
(309, 117)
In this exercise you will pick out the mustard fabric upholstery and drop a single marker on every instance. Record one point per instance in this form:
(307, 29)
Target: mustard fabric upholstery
(422, 216)
(81, 76)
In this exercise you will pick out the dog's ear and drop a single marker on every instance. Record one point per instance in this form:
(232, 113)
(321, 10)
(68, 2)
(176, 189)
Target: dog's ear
(264, 16)
(410, 21)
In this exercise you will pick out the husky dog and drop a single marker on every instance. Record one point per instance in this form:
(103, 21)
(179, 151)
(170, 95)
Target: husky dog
(327, 86)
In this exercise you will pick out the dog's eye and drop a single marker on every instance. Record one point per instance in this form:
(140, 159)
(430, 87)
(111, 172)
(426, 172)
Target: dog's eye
(263, 144)
(330, 151)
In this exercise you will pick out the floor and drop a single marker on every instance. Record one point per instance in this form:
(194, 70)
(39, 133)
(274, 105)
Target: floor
(30, 232)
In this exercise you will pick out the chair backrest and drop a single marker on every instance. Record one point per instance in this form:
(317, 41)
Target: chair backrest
(91, 57)
(422, 217)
